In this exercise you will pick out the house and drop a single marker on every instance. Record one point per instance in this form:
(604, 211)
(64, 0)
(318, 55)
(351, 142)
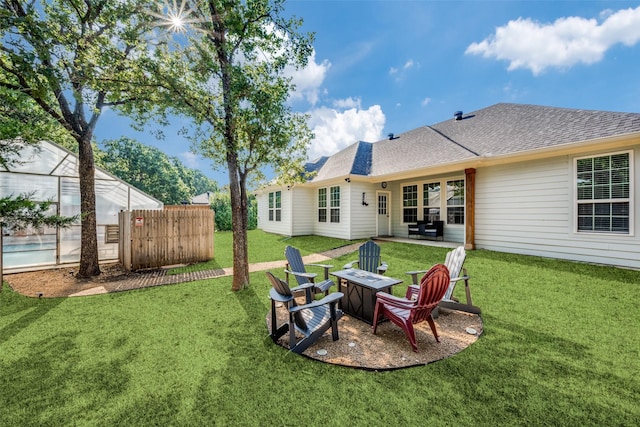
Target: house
(202, 199)
(51, 174)
(525, 179)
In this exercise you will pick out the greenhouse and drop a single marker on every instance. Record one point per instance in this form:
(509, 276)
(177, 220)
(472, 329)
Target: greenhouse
(49, 172)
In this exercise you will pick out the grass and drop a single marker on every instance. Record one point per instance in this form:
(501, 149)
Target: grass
(262, 248)
(560, 347)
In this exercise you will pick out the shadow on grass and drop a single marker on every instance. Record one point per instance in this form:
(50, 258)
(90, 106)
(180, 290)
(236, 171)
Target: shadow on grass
(32, 308)
(516, 369)
(60, 369)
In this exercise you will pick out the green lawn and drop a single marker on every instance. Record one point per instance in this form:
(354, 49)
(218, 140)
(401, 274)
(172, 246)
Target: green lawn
(560, 347)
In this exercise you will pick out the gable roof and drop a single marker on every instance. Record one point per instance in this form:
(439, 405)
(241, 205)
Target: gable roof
(500, 129)
(354, 160)
(50, 159)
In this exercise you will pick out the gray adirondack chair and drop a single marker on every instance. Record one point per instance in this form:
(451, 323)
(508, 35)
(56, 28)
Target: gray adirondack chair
(310, 320)
(454, 262)
(369, 259)
(297, 268)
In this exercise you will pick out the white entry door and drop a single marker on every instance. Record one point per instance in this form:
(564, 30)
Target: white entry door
(384, 217)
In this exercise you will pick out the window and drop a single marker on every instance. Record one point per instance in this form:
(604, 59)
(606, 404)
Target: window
(382, 204)
(335, 204)
(275, 206)
(322, 205)
(410, 203)
(603, 189)
(455, 202)
(431, 201)
(112, 233)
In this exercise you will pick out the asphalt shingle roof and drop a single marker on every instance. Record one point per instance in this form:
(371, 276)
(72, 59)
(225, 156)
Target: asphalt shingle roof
(513, 128)
(496, 130)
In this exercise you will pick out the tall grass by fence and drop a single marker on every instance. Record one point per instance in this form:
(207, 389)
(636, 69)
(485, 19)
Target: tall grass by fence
(155, 238)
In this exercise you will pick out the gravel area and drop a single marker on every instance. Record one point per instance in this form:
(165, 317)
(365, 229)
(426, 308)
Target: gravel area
(389, 349)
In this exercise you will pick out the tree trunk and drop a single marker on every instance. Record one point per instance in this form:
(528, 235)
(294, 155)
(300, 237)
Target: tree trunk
(89, 266)
(240, 244)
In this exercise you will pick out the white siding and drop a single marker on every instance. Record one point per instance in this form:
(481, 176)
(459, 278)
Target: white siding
(528, 208)
(302, 211)
(363, 218)
(340, 229)
(278, 227)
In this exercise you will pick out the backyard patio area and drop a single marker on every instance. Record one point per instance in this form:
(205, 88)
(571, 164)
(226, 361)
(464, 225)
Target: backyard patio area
(559, 346)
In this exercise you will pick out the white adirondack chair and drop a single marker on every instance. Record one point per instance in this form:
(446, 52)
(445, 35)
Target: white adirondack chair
(454, 262)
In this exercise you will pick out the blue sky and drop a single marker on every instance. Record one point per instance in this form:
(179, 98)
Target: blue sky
(383, 67)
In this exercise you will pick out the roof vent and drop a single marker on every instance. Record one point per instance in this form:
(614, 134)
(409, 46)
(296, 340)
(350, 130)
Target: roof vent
(458, 115)
(390, 136)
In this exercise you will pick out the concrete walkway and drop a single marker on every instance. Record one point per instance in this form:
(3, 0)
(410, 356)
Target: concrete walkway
(160, 277)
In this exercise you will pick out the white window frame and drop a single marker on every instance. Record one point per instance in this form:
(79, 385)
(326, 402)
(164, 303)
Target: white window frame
(429, 206)
(447, 205)
(629, 200)
(334, 204)
(275, 206)
(322, 205)
(418, 204)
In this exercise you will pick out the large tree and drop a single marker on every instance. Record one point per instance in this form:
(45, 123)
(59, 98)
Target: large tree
(73, 59)
(152, 171)
(23, 121)
(226, 72)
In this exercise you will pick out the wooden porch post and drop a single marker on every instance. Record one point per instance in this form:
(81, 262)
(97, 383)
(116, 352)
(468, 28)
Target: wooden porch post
(470, 209)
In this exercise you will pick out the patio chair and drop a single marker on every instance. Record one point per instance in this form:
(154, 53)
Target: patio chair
(369, 259)
(297, 268)
(454, 262)
(408, 311)
(310, 320)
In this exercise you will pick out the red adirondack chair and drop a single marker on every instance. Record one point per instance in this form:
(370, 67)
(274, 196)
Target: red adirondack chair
(405, 312)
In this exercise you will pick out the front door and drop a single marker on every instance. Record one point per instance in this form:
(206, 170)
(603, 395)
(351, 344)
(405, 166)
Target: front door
(384, 218)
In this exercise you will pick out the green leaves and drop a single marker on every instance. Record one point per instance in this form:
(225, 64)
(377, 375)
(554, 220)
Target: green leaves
(228, 77)
(152, 171)
(18, 212)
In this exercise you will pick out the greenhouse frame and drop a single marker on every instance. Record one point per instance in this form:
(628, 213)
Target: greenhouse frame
(49, 172)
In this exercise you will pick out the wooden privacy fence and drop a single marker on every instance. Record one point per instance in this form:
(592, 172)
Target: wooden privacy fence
(155, 238)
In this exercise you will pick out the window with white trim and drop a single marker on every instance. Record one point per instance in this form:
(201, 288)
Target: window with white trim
(603, 189)
(322, 205)
(275, 206)
(410, 203)
(455, 201)
(431, 201)
(335, 203)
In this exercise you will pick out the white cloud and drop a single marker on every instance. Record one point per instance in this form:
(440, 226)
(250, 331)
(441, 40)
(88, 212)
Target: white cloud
(308, 80)
(426, 101)
(189, 159)
(334, 130)
(347, 103)
(401, 72)
(562, 44)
